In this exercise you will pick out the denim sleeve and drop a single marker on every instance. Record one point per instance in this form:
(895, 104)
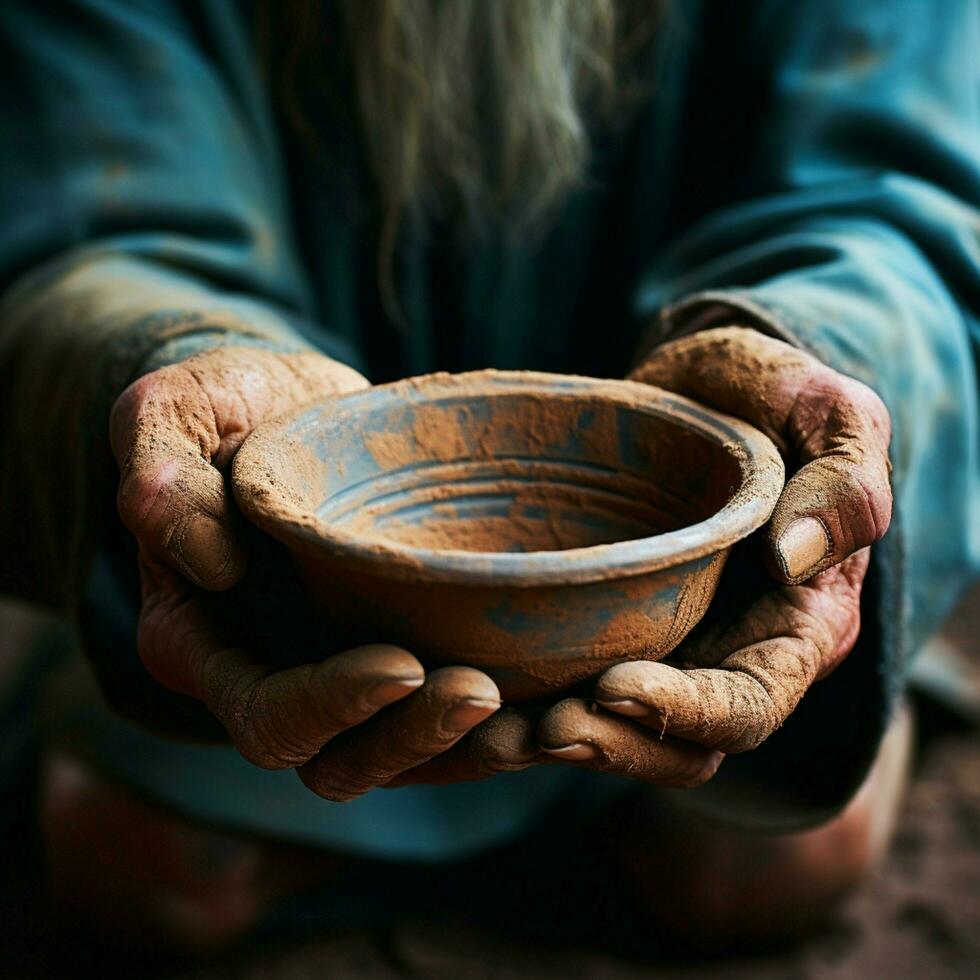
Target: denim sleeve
(143, 217)
(858, 238)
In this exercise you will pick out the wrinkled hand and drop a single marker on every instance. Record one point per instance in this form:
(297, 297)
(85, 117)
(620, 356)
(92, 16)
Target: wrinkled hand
(174, 433)
(734, 684)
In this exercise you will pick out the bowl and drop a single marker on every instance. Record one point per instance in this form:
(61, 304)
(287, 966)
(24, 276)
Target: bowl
(540, 527)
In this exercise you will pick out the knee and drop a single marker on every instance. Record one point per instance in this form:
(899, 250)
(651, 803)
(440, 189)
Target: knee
(721, 888)
(128, 874)
(718, 887)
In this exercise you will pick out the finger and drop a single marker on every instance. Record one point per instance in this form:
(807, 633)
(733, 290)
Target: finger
(170, 496)
(505, 742)
(576, 731)
(840, 500)
(451, 702)
(174, 430)
(826, 607)
(732, 708)
(276, 719)
(282, 719)
(769, 659)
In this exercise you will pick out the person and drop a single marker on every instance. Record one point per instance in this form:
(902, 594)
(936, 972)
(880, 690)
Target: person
(213, 213)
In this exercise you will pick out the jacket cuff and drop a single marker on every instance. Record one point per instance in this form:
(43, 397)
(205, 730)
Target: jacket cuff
(719, 308)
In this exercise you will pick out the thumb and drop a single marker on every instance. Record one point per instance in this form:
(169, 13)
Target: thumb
(840, 500)
(174, 432)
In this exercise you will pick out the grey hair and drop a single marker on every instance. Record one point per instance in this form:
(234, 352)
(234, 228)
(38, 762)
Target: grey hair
(471, 105)
(479, 111)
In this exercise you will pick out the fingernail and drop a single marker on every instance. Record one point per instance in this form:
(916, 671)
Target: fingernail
(204, 546)
(625, 706)
(388, 691)
(803, 545)
(576, 752)
(468, 713)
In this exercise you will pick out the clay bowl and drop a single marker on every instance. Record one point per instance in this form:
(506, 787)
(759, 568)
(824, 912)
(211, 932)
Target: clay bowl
(540, 527)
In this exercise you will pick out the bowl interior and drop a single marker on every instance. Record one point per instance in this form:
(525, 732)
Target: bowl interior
(513, 471)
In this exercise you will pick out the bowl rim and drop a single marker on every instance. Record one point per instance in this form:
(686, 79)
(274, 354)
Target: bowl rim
(302, 530)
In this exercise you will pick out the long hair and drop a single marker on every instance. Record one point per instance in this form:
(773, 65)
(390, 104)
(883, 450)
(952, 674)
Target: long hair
(478, 111)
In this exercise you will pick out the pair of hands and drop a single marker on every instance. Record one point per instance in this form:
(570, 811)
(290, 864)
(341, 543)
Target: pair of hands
(373, 716)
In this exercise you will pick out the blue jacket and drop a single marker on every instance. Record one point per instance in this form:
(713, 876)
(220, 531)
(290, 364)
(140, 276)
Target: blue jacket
(809, 167)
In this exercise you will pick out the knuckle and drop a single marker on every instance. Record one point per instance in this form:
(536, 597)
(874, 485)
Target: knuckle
(855, 397)
(252, 749)
(747, 740)
(228, 699)
(869, 402)
(267, 750)
(245, 712)
(687, 780)
(879, 413)
(757, 709)
(338, 795)
(278, 743)
(139, 493)
(878, 500)
(866, 510)
(326, 782)
(351, 774)
(137, 400)
(699, 773)
(128, 406)
(505, 742)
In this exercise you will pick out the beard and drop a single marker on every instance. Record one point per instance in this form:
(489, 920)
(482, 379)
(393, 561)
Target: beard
(475, 113)
(481, 110)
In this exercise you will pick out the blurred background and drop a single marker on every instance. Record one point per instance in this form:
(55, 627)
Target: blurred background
(918, 917)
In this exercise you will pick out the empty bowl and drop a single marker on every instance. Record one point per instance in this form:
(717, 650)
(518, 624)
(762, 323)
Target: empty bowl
(540, 527)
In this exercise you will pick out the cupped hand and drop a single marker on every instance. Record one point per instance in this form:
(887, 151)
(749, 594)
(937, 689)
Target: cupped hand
(732, 685)
(349, 722)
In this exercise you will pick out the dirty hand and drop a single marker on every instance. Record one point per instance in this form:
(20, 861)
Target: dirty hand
(174, 433)
(736, 683)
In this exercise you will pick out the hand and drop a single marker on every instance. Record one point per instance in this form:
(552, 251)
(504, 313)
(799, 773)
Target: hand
(174, 433)
(735, 683)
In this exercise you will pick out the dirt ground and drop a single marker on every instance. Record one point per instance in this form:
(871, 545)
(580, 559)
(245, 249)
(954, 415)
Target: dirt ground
(918, 917)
